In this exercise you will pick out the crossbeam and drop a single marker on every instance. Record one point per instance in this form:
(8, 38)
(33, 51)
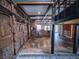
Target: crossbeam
(34, 3)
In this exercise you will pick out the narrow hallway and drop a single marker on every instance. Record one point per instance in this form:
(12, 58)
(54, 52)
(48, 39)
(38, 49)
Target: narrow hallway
(39, 29)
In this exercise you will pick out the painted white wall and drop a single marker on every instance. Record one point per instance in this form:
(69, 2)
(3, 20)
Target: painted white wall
(59, 29)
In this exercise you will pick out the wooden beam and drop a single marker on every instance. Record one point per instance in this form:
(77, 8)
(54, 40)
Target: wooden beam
(47, 9)
(37, 15)
(53, 30)
(34, 3)
(40, 19)
(52, 39)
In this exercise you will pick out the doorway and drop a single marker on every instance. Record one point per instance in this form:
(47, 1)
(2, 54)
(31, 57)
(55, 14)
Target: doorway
(63, 42)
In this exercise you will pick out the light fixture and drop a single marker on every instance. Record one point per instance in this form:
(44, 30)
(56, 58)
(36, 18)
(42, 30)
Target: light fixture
(38, 17)
(39, 13)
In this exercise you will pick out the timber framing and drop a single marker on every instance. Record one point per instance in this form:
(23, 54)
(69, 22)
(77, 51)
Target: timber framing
(34, 3)
(6, 11)
(11, 15)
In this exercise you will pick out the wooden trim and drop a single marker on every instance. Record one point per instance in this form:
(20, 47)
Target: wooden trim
(34, 3)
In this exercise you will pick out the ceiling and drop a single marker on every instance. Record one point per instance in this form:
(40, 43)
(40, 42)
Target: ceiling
(35, 9)
(38, 12)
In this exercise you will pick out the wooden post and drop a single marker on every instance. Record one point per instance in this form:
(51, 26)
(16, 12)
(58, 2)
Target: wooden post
(52, 40)
(75, 42)
(28, 30)
(14, 31)
(52, 31)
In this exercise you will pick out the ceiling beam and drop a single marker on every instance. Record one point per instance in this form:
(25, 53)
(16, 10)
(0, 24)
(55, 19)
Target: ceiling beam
(34, 3)
(41, 19)
(37, 15)
(47, 9)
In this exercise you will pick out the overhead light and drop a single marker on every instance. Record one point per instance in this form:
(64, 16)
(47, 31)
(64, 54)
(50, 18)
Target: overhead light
(39, 13)
(49, 17)
(38, 17)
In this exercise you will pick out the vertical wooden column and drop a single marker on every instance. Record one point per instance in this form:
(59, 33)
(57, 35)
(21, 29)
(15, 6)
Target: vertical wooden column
(75, 45)
(11, 25)
(75, 42)
(14, 32)
(52, 39)
(12, 18)
(52, 31)
(28, 30)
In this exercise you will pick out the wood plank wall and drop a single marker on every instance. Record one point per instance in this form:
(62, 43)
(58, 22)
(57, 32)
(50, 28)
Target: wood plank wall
(13, 34)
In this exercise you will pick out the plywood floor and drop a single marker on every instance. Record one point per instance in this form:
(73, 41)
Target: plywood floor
(37, 46)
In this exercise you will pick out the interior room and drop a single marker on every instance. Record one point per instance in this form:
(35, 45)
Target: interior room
(39, 29)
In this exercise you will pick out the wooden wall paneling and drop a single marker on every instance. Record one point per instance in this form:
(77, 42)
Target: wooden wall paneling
(17, 36)
(11, 31)
(23, 35)
(17, 44)
(8, 27)
(13, 9)
(7, 48)
(6, 4)
(21, 39)
(0, 25)
(6, 37)
(14, 32)
(25, 32)
(17, 27)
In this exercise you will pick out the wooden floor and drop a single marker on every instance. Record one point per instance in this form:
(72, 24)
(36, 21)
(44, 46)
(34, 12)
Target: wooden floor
(39, 48)
(37, 45)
